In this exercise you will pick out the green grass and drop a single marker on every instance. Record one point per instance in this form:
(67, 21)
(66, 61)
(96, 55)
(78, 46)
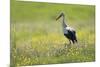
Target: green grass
(37, 38)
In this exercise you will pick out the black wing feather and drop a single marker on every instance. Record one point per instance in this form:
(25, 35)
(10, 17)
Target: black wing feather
(71, 35)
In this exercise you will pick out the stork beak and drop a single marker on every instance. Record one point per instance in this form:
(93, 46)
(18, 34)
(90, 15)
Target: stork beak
(58, 17)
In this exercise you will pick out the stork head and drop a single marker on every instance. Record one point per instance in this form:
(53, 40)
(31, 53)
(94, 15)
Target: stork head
(62, 14)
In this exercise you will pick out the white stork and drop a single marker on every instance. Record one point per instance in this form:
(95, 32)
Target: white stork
(69, 32)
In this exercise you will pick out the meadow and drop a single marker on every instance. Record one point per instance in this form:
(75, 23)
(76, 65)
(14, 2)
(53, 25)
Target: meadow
(37, 38)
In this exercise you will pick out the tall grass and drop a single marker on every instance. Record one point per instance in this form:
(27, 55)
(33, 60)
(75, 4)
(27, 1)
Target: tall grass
(36, 38)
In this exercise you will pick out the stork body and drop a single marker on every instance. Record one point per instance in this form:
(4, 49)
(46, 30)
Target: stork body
(69, 32)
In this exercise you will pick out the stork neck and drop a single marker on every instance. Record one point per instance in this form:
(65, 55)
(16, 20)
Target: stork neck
(63, 19)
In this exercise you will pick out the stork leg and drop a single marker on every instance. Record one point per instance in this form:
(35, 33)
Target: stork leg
(65, 45)
(69, 41)
(73, 41)
(76, 40)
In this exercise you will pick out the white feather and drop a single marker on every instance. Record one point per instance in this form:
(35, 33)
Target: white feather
(69, 28)
(65, 30)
